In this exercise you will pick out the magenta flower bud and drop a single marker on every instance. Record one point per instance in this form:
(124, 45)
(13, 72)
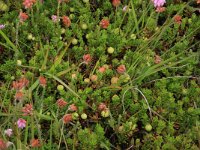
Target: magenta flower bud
(158, 3)
(21, 123)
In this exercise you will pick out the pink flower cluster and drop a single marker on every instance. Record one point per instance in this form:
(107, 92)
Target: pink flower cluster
(104, 23)
(158, 3)
(87, 58)
(61, 103)
(102, 106)
(27, 109)
(21, 83)
(28, 3)
(19, 95)
(42, 81)
(23, 17)
(121, 69)
(73, 107)
(67, 118)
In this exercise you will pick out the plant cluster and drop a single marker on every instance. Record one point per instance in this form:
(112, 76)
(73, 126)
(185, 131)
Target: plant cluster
(92, 74)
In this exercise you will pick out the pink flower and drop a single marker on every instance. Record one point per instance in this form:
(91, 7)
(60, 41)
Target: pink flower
(23, 17)
(116, 2)
(104, 23)
(177, 19)
(94, 78)
(43, 81)
(2, 26)
(102, 69)
(8, 132)
(160, 9)
(158, 3)
(157, 59)
(66, 21)
(28, 3)
(19, 95)
(24, 81)
(17, 85)
(21, 83)
(55, 18)
(61, 103)
(21, 123)
(27, 109)
(67, 118)
(87, 58)
(121, 69)
(102, 106)
(73, 107)
(35, 143)
(3, 145)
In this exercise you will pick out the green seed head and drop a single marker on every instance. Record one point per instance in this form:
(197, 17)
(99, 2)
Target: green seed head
(75, 115)
(30, 36)
(84, 26)
(60, 87)
(19, 62)
(84, 116)
(105, 113)
(148, 127)
(110, 50)
(74, 41)
(85, 1)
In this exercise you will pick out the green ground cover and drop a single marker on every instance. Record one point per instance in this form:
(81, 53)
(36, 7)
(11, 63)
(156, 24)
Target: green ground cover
(100, 74)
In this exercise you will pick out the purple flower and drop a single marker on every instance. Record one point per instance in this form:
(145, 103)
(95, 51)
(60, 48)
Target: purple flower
(21, 123)
(8, 132)
(158, 3)
(2, 26)
(54, 18)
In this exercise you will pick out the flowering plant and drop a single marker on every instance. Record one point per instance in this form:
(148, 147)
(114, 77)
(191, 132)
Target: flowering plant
(108, 74)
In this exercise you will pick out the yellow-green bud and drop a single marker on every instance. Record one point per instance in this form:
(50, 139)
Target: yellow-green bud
(60, 87)
(84, 116)
(110, 50)
(105, 113)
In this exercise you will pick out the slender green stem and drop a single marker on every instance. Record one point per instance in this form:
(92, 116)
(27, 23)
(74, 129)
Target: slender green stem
(135, 17)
